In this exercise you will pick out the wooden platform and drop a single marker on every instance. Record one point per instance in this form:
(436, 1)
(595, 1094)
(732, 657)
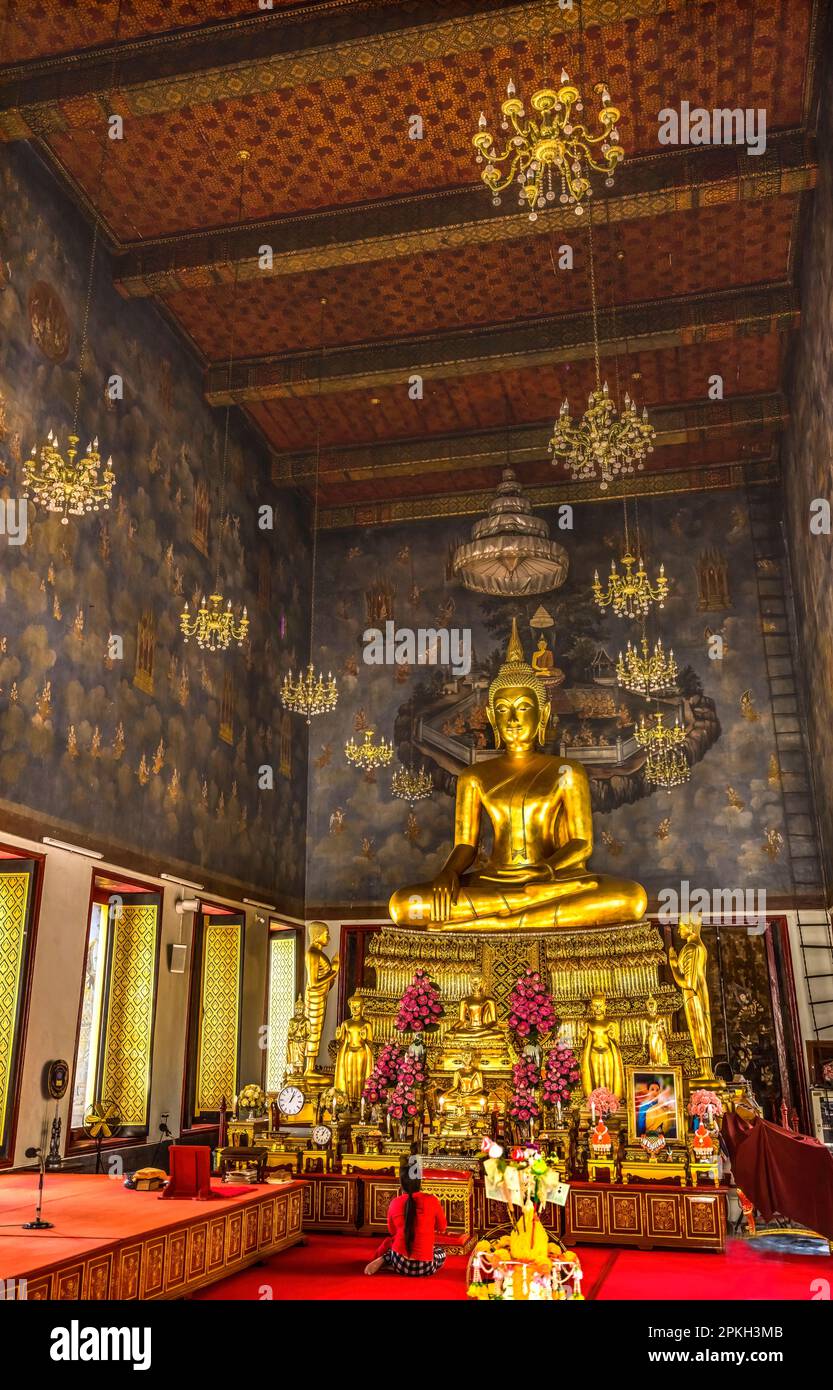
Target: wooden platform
(111, 1243)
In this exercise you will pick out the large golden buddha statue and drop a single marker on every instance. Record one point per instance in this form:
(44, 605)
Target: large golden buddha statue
(539, 807)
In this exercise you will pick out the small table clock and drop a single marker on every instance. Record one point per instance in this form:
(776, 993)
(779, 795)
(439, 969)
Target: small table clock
(321, 1136)
(291, 1100)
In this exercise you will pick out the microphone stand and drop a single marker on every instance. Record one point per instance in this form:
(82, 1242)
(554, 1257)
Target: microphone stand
(38, 1224)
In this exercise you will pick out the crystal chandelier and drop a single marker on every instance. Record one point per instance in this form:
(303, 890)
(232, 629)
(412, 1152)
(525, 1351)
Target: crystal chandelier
(407, 785)
(368, 755)
(549, 154)
(666, 765)
(603, 444)
(649, 674)
(309, 694)
(630, 595)
(213, 626)
(71, 486)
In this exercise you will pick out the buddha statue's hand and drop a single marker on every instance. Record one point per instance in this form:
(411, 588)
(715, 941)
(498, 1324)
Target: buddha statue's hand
(538, 874)
(445, 888)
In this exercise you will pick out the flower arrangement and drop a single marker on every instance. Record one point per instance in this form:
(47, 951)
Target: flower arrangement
(403, 1104)
(252, 1098)
(531, 1010)
(420, 1008)
(526, 1078)
(705, 1105)
(602, 1102)
(561, 1073)
(383, 1077)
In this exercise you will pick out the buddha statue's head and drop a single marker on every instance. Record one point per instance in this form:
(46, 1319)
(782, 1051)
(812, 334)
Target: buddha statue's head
(651, 1006)
(690, 927)
(299, 1006)
(319, 933)
(598, 1006)
(356, 1006)
(518, 708)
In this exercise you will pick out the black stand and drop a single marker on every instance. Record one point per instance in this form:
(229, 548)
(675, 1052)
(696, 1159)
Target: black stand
(38, 1224)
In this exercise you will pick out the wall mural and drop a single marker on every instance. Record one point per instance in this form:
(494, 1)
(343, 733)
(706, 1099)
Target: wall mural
(808, 466)
(158, 749)
(723, 829)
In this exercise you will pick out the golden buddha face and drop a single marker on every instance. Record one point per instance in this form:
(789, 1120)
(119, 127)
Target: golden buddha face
(356, 1006)
(517, 718)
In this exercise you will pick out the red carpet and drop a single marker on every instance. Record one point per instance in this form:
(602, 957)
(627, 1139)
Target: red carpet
(331, 1267)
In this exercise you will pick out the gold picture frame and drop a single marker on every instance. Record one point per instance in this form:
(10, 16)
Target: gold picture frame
(663, 1085)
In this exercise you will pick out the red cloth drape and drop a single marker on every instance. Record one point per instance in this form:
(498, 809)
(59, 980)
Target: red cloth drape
(782, 1172)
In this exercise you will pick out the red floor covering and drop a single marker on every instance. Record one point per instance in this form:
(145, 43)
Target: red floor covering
(331, 1267)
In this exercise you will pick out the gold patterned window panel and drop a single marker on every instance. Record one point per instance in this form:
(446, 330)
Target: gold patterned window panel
(126, 1054)
(16, 879)
(219, 1017)
(282, 978)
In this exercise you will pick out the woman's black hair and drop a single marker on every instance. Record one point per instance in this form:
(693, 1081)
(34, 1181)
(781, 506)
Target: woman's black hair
(410, 1180)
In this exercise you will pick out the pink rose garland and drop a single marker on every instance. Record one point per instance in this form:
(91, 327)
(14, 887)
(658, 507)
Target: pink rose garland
(531, 1010)
(560, 1074)
(420, 1008)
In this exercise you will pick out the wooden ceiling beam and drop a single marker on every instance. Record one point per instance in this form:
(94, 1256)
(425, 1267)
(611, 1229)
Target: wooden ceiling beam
(677, 180)
(659, 325)
(263, 53)
(691, 423)
(739, 474)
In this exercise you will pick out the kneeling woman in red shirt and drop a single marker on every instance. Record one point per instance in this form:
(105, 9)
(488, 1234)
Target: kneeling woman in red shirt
(415, 1219)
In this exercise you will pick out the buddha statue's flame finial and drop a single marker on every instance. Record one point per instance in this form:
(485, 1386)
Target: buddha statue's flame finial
(516, 671)
(514, 652)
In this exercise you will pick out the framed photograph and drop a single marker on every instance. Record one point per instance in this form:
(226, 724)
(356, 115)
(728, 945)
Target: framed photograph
(655, 1103)
(822, 1102)
(819, 1061)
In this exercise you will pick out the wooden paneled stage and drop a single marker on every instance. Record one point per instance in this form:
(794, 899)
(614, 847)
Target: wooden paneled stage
(111, 1243)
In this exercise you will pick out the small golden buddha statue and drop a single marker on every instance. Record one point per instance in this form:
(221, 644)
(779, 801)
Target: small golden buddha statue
(655, 1034)
(354, 1059)
(689, 972)
(321, 976)
(601, 1059)
(466, 1096)
(536, 878)
(543, 663)
(477, 1023)
(296, 1040)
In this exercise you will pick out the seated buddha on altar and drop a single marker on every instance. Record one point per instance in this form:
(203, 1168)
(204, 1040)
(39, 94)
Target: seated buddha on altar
(536, 878)
(464, 1105)
(477, 1029)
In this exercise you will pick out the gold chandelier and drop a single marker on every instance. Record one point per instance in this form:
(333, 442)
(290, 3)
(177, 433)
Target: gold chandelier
(214, 627)
(368, 755)
(71, 486)
(603, 444)
(309, 694)
(630, 594)
(649, 674)
(407, 785)
(666, 765)
(549, 154)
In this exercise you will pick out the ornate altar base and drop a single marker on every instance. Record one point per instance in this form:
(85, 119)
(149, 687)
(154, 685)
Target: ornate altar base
(110, 1243)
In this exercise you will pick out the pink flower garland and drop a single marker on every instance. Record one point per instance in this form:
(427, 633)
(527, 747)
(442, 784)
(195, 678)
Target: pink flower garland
(560, 1074)
(526, 1078)
(531, 1010)
(605, 1101)
(403, 1104)
(420, 1008)
(700, 1102)
(382, 1079)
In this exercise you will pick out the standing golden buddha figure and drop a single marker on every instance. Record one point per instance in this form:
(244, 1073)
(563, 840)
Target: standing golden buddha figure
(655, 1034)
(354, 1059)
(689, 972)
(321, 976)
(601, 1058)
(536, 878)
(296, 1041)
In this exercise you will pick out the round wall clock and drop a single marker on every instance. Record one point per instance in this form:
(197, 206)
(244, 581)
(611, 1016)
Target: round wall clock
(290, 1100)
(321, 1136)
